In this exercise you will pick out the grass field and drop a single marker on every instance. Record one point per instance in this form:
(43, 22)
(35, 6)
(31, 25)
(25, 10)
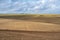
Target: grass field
(40, 23)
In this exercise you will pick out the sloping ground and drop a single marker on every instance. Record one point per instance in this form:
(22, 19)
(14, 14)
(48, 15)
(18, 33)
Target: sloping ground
(15, 28)
(13, 24)
(26, 35)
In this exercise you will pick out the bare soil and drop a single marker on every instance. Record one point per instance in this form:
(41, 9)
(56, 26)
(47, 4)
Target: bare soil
(29, 28)
(26, 35)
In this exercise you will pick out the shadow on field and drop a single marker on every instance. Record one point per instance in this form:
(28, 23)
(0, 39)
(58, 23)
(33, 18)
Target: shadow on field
(54, 20)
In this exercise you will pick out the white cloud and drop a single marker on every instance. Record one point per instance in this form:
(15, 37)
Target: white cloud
(53, 6)
(36, 7)
(43, 1)
(29, 6)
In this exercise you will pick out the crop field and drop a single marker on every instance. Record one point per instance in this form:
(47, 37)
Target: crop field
(30, 27)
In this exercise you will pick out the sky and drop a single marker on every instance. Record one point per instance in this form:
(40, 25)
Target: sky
(30, 6)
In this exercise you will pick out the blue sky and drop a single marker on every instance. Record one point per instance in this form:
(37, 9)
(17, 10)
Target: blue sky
(30, 6)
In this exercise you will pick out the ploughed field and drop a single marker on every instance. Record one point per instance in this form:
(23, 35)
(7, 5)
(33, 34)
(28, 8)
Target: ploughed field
(29, 27)
(28, 35)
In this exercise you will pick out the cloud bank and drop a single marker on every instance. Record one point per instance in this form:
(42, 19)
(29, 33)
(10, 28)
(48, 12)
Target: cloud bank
(29, 6)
